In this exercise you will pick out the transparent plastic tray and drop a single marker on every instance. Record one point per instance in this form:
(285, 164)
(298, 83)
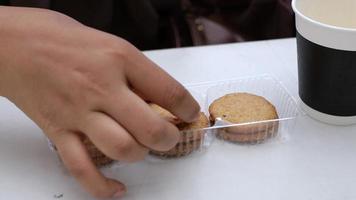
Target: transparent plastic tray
(267, 86)
(256, 132)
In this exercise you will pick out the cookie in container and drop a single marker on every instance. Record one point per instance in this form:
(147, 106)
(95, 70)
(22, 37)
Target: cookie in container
(99, 159)
(244, 109)
(251, 110)
(192, 135)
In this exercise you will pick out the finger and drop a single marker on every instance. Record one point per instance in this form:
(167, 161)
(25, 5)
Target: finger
(159, 87)
(138, 93)
(79, 164)
(113, 140)
(141, 122)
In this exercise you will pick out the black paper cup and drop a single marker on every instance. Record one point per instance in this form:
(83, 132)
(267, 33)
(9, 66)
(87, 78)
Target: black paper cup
(326, 43)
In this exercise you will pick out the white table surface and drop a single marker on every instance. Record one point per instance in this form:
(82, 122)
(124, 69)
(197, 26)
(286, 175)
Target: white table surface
(317, 162)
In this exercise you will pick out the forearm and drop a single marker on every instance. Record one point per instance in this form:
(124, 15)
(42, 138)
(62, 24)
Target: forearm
(4, 65)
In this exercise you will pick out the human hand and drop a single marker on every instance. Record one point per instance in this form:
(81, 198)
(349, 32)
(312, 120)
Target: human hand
(72, 80)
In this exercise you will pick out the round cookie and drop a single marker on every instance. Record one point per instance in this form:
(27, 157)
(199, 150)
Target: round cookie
(245, 109)
(98, 158)
(181, 149)
(190, 131)
(233, 133)
(191, 136)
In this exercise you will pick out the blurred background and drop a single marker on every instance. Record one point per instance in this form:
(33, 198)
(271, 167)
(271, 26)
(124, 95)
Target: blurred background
(157, 24)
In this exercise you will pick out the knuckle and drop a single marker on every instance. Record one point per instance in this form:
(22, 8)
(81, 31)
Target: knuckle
(54, 14)
(119, 54)
(175, 95)
(124, 149)
(58, 16)
(117, 49)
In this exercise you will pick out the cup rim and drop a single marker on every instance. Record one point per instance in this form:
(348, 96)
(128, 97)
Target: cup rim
(296, 10)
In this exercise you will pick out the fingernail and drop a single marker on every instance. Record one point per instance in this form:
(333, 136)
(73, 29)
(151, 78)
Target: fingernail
(196, 114)
(120, 193)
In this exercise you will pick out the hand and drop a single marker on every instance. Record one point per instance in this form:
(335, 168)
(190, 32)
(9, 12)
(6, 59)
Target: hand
(71, 79)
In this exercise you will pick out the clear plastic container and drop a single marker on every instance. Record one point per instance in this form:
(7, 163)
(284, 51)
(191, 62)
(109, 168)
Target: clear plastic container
(276, 131)
(256, 132)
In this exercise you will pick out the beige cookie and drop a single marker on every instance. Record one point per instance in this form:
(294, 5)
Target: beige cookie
(98, 158)
(191, 136)
(181, 149)
(245, 109)
(95, 154)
